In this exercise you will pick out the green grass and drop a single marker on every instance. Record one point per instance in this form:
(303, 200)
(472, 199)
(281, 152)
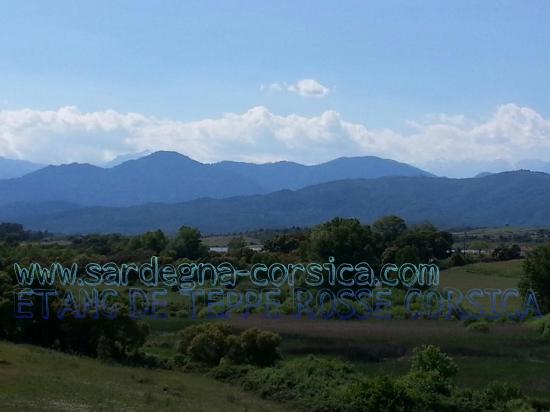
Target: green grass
(510, 269)
(36, 379)
(476, 372)
(509, 351)
(498, 275)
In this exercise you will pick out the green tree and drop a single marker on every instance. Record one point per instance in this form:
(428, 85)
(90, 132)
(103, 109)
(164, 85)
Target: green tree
(12, 232)
(284, 243)
(430, 358)
(187, 244)
(154, 241)
(236, 245)
(347, 240)
(422, 244)
(254, 347)
(389, 228)
(430, 378)
(536, 276)
(504, 252)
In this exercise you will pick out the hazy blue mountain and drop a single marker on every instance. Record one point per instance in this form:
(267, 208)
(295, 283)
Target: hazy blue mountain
(169, 177)
(483, 174)
(11, 168)
(534, 164)
(159, 177)
(289, 175)
(124, 158)
(15, 212)
(516, 198)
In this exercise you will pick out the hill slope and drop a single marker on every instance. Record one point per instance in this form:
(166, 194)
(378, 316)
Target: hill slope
(517, 198)
(36, 379)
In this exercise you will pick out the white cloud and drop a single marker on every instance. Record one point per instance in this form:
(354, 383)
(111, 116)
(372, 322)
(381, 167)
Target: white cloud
(309, 88)
(304, 87)
(272, 87)
(452, 145)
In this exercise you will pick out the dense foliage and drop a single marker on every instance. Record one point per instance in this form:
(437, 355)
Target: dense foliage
(209, 343)
(537, 276)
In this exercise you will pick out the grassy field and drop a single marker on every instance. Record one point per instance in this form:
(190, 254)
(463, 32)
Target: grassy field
(36, 379)
(475, 372)
(509, 352)
(501, 274)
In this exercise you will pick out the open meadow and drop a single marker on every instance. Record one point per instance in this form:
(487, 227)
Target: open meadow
(37, 379)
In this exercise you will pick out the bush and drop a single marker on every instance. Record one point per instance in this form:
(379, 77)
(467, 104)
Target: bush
(189, 333)
(536, 276)
(256, 347)
(542, 326)
(479, 326)
(399, 312)
(457, 259)
(430, 379)
(107, 339)
(500, 394)
(229, 371)
(317, 382)
(210, 342)
(320, 384)
(378, 395)
(105, 349)
(429, 358)
(208, 346)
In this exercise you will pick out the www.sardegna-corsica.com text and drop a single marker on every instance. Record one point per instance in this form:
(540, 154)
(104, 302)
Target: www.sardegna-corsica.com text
(347, 290)
(187, 276)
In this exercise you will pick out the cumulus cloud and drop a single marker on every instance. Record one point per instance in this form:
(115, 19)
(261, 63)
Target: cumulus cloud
(304, 87)
(272, 87)
(452, 145)
(309, 88)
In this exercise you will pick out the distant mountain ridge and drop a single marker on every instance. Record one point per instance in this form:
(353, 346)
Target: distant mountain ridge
(516, 198)
(12, 168)
(170, 177)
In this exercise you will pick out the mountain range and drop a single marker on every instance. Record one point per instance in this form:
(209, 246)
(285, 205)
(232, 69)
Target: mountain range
(170, 177)
(11, 168)
(519, 198)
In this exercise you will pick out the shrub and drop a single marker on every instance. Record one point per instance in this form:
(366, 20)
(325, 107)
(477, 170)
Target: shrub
(518, 405)
(429, 358)
(259, 347)
(457, 259)
(317, 382)
(399, 312)
(229, 371)
(536, 276)
(430, 379)
(208, 346)
(108, 339)
(104, 348)
(209, 342)
(189, 333)
(378, 395)
(479, 326)
(497, 392)
(542, 326)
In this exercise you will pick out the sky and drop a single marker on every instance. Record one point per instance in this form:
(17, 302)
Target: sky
(454, 87)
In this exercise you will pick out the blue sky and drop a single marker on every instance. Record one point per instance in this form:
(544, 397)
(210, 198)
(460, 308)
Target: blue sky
(384, 64)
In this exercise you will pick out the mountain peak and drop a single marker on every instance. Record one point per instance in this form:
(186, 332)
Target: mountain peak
(161, 158)
(168, 154)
